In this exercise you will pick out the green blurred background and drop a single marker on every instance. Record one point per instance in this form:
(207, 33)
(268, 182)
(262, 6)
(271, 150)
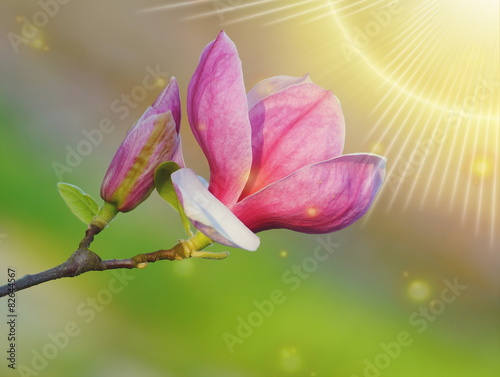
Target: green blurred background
(411, 76)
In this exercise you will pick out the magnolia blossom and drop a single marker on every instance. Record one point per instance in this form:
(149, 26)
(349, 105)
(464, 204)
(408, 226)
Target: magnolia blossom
(151, 141)
(275, 155)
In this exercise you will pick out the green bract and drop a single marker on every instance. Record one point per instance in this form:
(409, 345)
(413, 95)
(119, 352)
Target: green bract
(81, 204)
(165, 188)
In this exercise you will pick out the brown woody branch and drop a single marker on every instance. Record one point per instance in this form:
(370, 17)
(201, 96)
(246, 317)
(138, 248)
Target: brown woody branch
(84, 260)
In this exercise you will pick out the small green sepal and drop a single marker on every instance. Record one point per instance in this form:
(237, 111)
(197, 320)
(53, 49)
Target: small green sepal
(165, 187)
(80, 204)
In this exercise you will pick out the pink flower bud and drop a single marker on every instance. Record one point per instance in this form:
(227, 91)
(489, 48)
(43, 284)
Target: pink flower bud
(152, 140)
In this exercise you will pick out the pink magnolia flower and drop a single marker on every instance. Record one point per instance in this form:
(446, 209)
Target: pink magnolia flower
(275, 155)
(152, 140)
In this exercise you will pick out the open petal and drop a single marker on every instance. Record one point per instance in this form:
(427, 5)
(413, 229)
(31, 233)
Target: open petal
(319, 198)
(209, 215)
(167, 100)
(218, 114)
(273, 85)
(293, 128)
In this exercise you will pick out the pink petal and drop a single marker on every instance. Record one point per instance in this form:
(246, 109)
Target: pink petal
(293, 128)
(273, 85)
(319, 198)
(167, 100)
(177, 156)
(209, 215)
(218, 114)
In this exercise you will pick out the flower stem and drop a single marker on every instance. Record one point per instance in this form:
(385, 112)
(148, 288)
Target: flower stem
(84, 260)
(106, 213)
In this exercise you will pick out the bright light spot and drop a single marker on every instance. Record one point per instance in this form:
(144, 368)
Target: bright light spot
(184, 268)
(419, 290)
(290, 360)
(283, 253)
(160, 82)
(481, 167)
(38, 43)
(312, 211)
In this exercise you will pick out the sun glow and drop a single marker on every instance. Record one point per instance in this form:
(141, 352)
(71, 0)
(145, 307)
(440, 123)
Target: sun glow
(441, 104)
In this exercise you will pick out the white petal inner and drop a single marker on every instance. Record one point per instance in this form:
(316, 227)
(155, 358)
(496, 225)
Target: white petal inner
(209, 215)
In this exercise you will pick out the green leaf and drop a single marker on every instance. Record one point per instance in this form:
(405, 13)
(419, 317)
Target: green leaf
(81, 204)
(165, 188)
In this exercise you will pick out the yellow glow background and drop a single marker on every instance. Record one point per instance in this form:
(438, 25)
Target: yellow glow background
(419, 83)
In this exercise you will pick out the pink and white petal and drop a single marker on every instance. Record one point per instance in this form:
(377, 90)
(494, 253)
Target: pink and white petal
(319, 198)
(218, 114)
(168, 99)
(293, 128)
(177, 156)
(273, 85)
(209, 215)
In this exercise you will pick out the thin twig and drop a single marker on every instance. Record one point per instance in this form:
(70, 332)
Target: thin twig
(84, 260)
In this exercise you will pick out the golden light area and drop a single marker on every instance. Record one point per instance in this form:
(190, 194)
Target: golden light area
(32, 36)
(438, 102)
(482, 167)
(39, 44)
(416, 48)
(419, 290)
(160, 82)
(290, 361)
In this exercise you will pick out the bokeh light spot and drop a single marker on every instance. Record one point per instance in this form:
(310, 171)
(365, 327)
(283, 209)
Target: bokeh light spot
(38, 43)
(312, 211)
(184, 268)
(283, 253)
(419, 290)
(290, 360)
(160, 82)
(481, 167)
